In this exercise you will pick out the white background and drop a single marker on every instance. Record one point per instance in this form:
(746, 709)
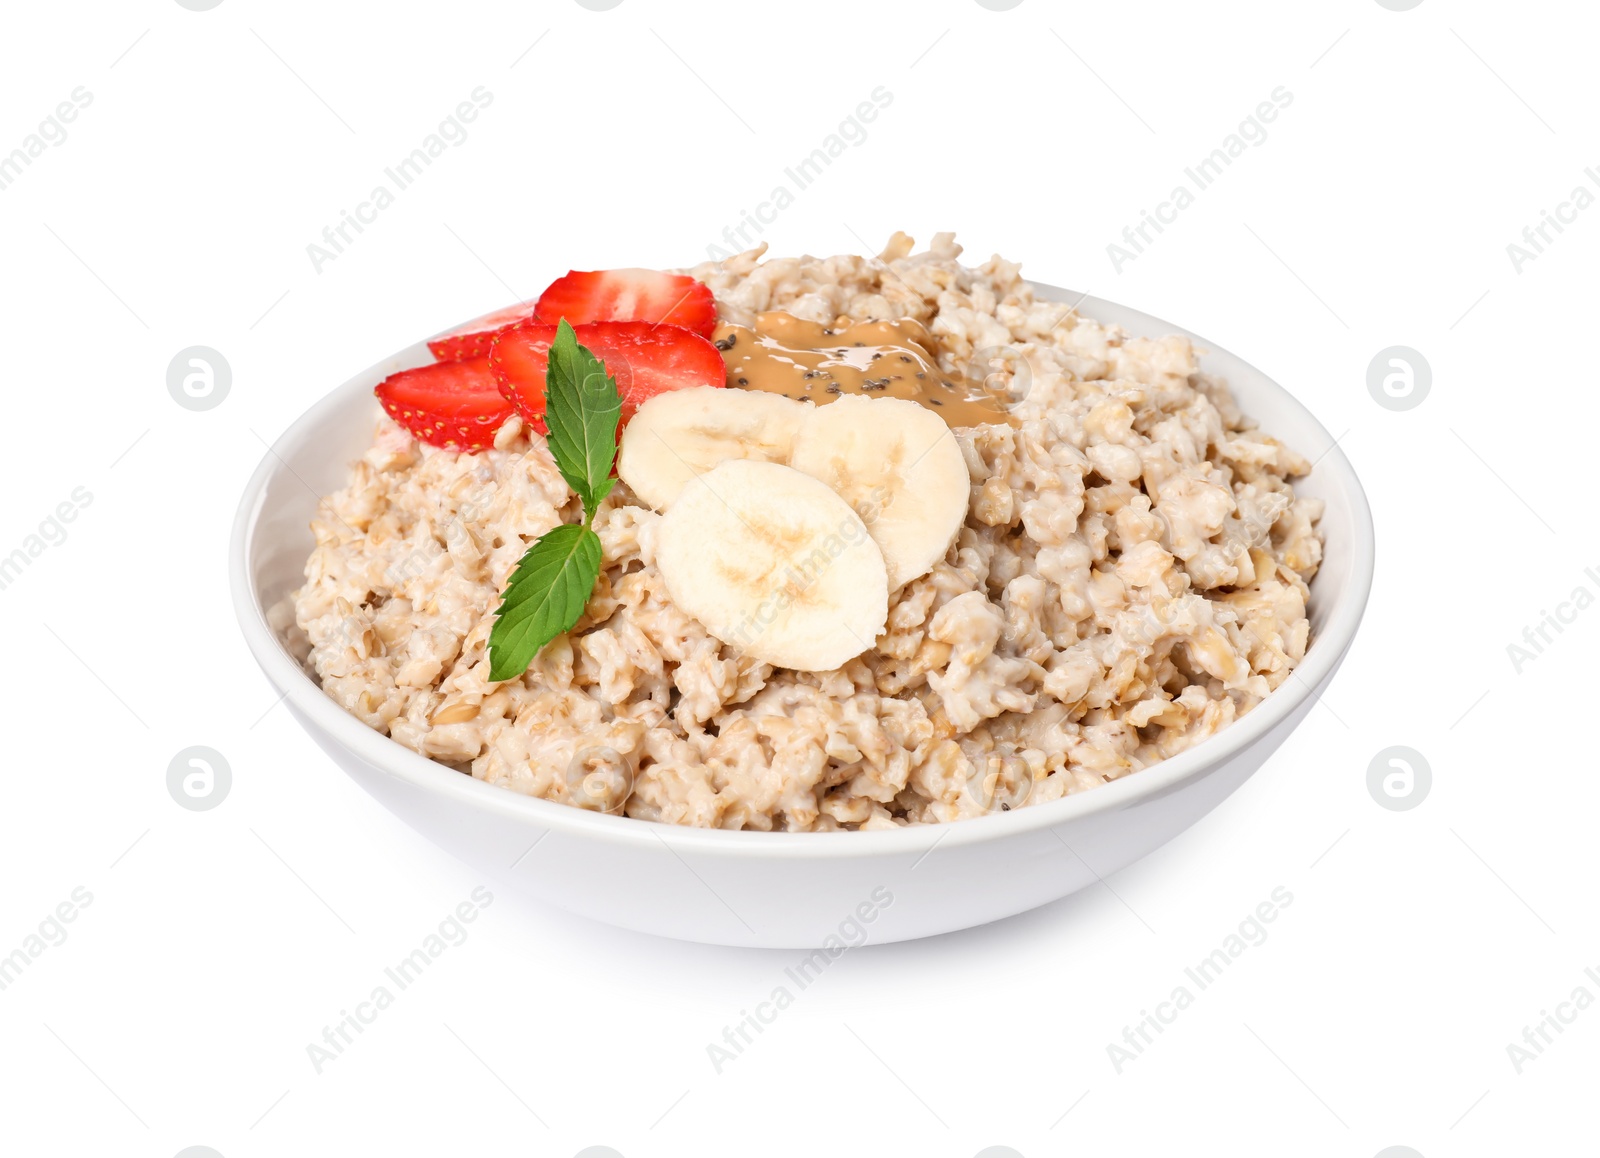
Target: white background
(218, 944)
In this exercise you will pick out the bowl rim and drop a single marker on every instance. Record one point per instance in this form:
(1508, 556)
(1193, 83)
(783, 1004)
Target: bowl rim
(378, 750)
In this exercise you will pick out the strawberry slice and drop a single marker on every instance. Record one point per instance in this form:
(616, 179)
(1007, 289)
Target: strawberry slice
(472, 340)
(456, 405)
(630, 295)
(645, 358)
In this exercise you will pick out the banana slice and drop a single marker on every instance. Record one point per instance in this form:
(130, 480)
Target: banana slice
(898, 466)
(774, 563)
(681, 433)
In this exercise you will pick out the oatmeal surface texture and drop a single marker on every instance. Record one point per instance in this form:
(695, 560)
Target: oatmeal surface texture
(1131, 577)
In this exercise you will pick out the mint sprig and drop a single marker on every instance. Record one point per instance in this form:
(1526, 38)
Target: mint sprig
(550, 585)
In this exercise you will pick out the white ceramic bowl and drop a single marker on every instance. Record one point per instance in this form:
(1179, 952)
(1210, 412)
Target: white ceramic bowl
(790, 889)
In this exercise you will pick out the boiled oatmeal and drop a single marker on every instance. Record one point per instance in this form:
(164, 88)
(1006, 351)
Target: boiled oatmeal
(1130, 576)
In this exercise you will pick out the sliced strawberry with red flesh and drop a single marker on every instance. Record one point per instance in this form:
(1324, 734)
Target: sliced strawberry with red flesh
(630, 295)
(472, 340)
(456, 405)
(646, 359)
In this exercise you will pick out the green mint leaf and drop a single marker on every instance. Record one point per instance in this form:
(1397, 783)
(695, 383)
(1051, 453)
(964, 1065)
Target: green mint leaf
(546, 595)
(552, 581)
(582, 408)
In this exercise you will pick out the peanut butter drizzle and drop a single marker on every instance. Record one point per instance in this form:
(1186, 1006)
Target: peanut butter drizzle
(811, 362)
